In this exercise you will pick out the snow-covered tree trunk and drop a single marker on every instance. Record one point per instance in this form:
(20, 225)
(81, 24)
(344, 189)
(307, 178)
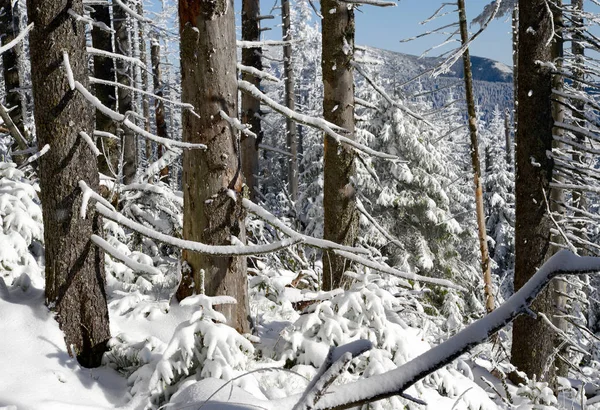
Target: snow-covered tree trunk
(104, 69)
(8, 30)
(250, 110)
(577, 49)
(211, 214)
(290, 101)
(74, 266)
(125, 95)
(159, 105)
(339, 196)
(533, 345)
(145, 83)
(480, 213)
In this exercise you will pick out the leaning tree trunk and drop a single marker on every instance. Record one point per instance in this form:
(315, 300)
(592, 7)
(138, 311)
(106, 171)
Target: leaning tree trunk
(532, 341)
(290, 101)
(74, 267)
(125, 96)
(480, 213)
(159, 105)
(104, 69)
(339, 196)
(211, 215)
(250, 110)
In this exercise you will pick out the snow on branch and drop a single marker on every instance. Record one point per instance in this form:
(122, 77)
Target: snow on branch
(337, 361)
(317, 123)
(274, 149)
(120, 118)
(90, 193)
(237, 124)
(97, 52)
(396, 381)
(385, 95)
(132, 13)
(127, 261)
(307, 240)
(155, 189)
(263, 75)
(90, 21)
(38, 154)
(17, 39)
(167, 159)
(68, 71)
(94, 80)
(264, 43)
(13, 129)
(371, 3)
(89, 142)
(453, 58)
(216, 250)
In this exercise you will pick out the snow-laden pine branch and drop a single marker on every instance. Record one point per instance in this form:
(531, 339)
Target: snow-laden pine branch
(169, 157)
(396, 381)
(317, 123)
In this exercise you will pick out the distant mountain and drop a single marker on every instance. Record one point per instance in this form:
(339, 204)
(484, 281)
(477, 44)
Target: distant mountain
(409, 66)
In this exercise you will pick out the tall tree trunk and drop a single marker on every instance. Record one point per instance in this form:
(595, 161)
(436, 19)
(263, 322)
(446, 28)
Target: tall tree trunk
(339, 196)
(532, 341)
(145, 84)
(8, 30)
(251, 57)
(104, 69)
(210, 215)
(290, 101)
(480, 213)
(507, 140)
(159, 105)
(578, 51)
(515, 51)
(558, 195)
(125, 96)
(74, 267)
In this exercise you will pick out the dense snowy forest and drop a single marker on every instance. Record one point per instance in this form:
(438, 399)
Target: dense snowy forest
(195, 214)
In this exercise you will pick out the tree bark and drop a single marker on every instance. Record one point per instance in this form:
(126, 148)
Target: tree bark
(480, 213)
(159, 105)
(104, 69)
(125, 96)
(290, 101)
(251, 57)
(532, 342)
(74, 267)
(209, 83)
(339, 196)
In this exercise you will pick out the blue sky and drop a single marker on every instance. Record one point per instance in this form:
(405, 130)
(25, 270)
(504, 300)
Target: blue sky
(385, 27)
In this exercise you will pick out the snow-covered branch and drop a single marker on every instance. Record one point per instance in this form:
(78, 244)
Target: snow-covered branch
(127, 261)
(263, 75)
(317, 123)
(216, 250)
(96, 52)
(132, 13)
(264, 43)
(371, 3)
(396, 381)
(17, 39)
(307, 240)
